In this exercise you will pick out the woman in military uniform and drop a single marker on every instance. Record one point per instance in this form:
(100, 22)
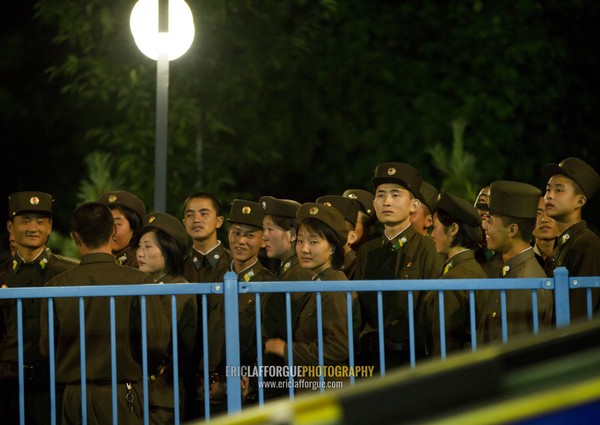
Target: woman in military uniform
(456, 232)
(161, 247)
(128, 211)
(321, 237)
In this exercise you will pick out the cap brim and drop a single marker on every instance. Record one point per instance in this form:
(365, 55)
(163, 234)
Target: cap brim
(550, 170)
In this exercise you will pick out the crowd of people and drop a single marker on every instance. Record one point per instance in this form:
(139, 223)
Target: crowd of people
(513, 230)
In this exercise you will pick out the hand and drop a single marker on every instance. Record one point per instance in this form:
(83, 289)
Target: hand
(275, 346)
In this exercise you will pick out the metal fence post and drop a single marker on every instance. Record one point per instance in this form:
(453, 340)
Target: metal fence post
(561, 297)
(232, 342)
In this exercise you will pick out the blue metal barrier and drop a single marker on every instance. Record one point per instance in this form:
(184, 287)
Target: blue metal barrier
(230, 288)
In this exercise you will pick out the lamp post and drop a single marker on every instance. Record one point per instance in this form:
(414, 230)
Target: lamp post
(163, 30)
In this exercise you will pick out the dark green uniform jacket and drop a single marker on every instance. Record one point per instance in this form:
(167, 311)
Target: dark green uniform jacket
(578, 249)
(410, 255)
(518, 303)
(28, 275)
(456, 305)
(160, 387)
(127, 256)
(101, 269)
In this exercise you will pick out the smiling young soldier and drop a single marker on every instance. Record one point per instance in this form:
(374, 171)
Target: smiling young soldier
(401, 253)
(512, 213)
(571, 184)
(30, 222)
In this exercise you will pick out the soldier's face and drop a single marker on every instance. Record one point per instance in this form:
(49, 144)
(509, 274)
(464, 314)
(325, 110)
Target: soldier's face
(123, 232)
(314, 251)
(149, 255)
(393, 204)
(561, 198)
(244, 242)
(441, 236)
(496, 233)
(200, 219)
(30, 230)
(545, 227)
(278, 242)
(421, 219)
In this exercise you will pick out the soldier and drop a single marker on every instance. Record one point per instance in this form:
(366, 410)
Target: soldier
(401, 253)
(571, 184)
(208, 262)
(321, 236)
(456, 232)
(245, 240)
(161, 245)
(92, 230)
(422, 218)
(30, 223)
(349, 208)
(544, 234)
(512, 212)
(366, 216)
(279, 236)
(490, 261)
(128, 211)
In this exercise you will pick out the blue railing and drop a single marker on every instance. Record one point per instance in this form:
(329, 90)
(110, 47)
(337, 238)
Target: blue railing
(230, 288)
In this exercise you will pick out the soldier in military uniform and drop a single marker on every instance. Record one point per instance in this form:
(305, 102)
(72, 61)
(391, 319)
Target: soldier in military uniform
(128, 211)
(456, 231)
(208, 262)
(349, 208)
(422, 218)
(490, 261)
(92, 228)
(321, 236)
(30, 223)
(544, 235)
(401, 253)
(279, 236)
(366, 217)
(245, 240)
(512, 213)
(161, 245)
(571, 184)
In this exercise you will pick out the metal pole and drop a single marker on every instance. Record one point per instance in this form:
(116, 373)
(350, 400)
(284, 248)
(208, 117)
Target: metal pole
(162, 115)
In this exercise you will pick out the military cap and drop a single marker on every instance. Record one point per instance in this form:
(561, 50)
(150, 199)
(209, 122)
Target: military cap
(577, 170)
(246, 212)
(170, 225)
(22, 202)
(124, 199)
(514, 199)
(279, 207)
(365, 198)
(428, 195)
(399, 173)
(327, 215)
(347, 207)
(459, 209)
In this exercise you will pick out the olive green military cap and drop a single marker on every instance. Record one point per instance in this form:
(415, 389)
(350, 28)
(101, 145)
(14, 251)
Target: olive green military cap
(246, 212)
(514, 199)
(23, 202)
(170, 225)
(365, 198)
(279, 207)
(326, 214)
(459, 209)
(428, 195)
(577, 170)
(124, 199)
(399, 173)
(347, 207)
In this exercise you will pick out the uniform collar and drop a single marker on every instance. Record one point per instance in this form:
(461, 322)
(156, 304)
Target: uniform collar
(325, 274)
(399, 240)
(249, 272)
(41, 259)
(288, 264)
(458, 258)
(212, 257)
(98, 257)
(570, 232)
(517, 260)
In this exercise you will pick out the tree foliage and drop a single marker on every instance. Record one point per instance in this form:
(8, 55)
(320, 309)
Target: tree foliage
(304, 97)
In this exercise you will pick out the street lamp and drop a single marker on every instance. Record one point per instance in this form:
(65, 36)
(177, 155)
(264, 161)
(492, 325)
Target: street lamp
(163, 30)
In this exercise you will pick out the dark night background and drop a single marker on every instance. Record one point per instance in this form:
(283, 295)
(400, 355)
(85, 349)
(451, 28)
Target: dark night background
(301, 98)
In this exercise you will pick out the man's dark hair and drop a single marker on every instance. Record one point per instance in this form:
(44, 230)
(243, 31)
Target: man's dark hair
(94, 224)
(217, 205)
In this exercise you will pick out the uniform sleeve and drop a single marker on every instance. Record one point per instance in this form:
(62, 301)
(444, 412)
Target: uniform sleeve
(335, 334)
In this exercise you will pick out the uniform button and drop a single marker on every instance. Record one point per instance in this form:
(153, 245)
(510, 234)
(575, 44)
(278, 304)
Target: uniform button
(497, 301)
(494, 314)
